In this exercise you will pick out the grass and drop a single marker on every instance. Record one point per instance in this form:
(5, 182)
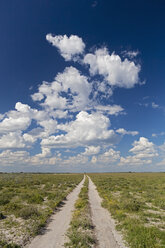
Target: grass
(80, 233)
(137, 202)
(27, 201)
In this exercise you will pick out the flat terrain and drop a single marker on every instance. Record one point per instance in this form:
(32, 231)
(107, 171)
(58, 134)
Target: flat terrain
(112, 210)
(54, 236)
(104, 227)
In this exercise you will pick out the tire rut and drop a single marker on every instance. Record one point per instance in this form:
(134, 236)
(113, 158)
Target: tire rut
(104, 225)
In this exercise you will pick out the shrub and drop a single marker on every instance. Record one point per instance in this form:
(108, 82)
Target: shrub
(28, 212)
(5, 245)
(12, 206)
(33, 198)
(131, 205)
(52, 196)
(4, 199)
(36, 198)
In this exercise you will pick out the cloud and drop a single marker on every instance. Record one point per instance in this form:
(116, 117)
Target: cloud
(130, 54)
(86, 129)
(158, 134)
(109, 157)
(24, 108)
(94, 160)
(47, 127)
(68, 47)
(143, 104)
(133, 161)
(12, 140)
(14, 122)
(115, 71)
(78, 85)
(154, 105)
(154, 135)
(37, 96)
(73, 112)
(1, 116)
(124, 132)
(45, 158)
(161, 163)
(21, 118)
(110, 110)
(14, 125)
(70, 90)
(78, 160)
(162, 147)
(9, 157)
(46, 152)
(143, 148)
(143, 152)
(60, 114)
(91, 150)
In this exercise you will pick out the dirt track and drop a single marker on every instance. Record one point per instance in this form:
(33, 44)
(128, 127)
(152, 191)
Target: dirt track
(104, 225)
(105, 232)
(54, 236)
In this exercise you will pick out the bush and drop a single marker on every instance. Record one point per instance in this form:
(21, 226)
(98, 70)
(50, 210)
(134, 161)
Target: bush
(33, 198)
(131, 205)
(51, 196)
(3, 244)
(28, 212)
(36, 198)
(4, 199)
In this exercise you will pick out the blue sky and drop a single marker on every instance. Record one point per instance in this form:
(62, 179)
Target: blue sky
(82, 85)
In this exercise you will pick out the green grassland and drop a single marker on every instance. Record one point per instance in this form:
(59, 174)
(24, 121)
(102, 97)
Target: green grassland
(137, 202)
(27, 201)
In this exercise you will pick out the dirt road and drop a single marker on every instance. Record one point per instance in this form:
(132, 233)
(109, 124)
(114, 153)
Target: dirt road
(105, 232)
(54, 236)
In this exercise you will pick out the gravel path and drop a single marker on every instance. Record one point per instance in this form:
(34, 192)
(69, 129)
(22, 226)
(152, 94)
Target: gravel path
(105, 232)
(54, 236)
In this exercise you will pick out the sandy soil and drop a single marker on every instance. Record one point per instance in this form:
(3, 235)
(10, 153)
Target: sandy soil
(107, 236)
(54, 235)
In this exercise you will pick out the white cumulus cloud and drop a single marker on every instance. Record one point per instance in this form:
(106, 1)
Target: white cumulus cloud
(68, 46)
(11, 123)
(143, 152)
(73, 112)
(86, 129)
(124, 132)
(115, 71)
(91, 150)
(109, 157)
(9, 157)
(71, 82)
(12, 140)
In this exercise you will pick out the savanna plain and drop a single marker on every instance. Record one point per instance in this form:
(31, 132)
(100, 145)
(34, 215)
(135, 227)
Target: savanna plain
(136, 201)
